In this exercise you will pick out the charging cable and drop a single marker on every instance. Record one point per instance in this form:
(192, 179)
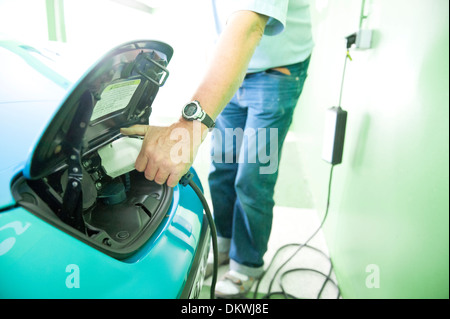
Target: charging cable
(187, 180)
(332, 153)
(300, 247)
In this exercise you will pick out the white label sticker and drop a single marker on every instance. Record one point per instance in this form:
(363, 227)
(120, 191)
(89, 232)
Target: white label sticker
(115, 97)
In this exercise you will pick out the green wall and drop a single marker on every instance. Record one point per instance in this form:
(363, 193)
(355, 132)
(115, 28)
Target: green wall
(388, 225)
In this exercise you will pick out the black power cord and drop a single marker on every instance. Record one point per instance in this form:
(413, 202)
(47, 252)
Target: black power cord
(351, 39)
(185, 180)
(300, 246)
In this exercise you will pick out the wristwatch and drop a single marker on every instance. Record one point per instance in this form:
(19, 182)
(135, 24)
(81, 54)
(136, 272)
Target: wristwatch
(193, 111)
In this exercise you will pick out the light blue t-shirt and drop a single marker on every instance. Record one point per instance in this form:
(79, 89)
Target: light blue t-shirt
(287, 37)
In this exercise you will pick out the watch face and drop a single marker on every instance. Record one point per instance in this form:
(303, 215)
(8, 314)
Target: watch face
(190, 109)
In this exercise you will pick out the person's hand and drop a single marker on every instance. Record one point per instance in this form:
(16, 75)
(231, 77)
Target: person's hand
(167, 153)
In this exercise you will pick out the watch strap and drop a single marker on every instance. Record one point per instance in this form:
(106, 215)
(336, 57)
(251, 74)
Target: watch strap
(207, 120)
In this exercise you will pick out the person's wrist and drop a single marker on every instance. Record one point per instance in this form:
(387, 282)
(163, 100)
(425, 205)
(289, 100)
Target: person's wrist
(194, 124)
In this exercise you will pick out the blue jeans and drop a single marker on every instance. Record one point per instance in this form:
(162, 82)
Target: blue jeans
(246, 147)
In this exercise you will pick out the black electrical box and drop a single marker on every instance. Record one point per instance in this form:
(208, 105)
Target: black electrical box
(334, 135)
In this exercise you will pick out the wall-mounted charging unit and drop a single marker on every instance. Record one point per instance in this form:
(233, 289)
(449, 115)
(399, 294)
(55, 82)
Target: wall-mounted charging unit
(334, 135)
(364, 35)
(364, 39)
(361, 40)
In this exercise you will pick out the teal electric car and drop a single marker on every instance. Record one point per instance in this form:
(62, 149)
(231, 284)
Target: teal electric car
(76, 219)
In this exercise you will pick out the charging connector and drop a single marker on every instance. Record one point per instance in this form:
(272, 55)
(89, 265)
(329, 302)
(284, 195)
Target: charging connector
(119, 156)
(351, 40)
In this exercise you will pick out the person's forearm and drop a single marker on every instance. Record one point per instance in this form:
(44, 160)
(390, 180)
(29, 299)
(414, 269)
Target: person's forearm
(229, 62)
(223, 77)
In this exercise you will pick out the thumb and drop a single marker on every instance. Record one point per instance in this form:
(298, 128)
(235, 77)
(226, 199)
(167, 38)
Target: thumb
(135, 130)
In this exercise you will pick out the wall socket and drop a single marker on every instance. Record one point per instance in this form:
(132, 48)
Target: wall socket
(364, 39)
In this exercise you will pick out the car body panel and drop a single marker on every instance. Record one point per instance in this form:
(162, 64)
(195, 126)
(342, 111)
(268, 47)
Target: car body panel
(30, 93)
(38, 260)
(23, 124)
